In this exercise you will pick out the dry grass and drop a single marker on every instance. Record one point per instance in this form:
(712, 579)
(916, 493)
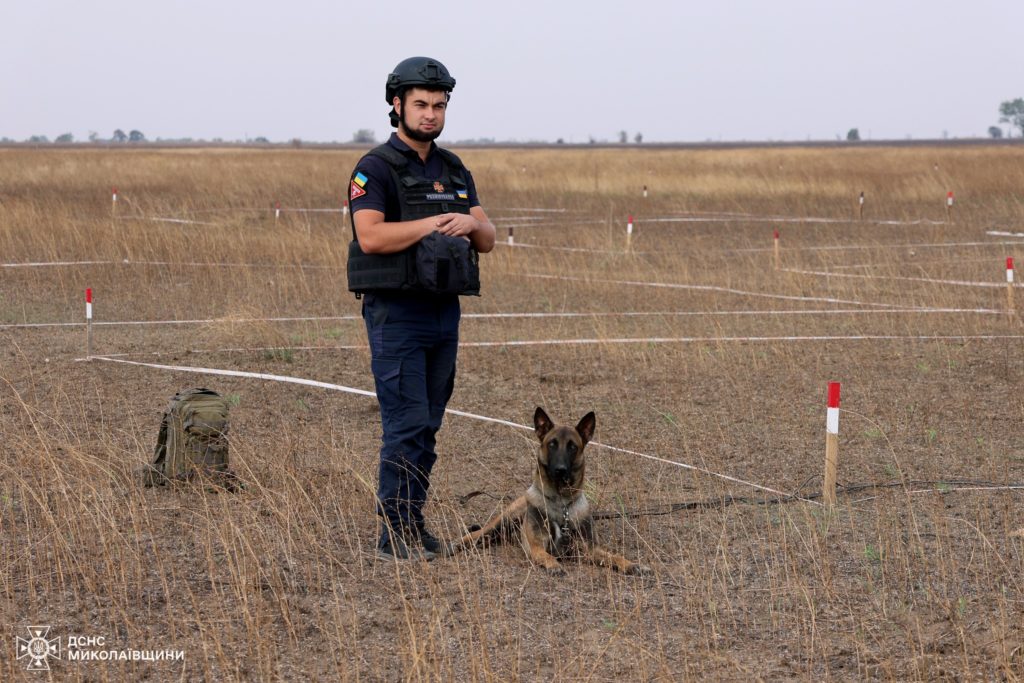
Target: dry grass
(918, 581)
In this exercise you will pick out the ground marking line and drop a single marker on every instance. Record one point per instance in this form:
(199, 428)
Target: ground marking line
(962, 283)
(880, 247)
(596, 342)
(527, 210)
(952, 489)
(200, 264)
(781, 219)
(915, 262)
(513, 316)
(161, 219)
(474, 416)
(712, 288)
(41, 264)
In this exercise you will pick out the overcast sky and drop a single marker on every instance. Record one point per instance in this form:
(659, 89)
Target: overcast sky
(526, 70)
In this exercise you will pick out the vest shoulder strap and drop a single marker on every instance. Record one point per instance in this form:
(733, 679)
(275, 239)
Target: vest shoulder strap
(391, 155)
(397, 160)
(450, 158)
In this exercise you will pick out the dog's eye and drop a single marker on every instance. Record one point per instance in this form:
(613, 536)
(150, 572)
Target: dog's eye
(570, 448)
(552, 444)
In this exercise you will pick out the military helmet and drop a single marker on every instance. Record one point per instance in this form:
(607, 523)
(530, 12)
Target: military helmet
(418, 71)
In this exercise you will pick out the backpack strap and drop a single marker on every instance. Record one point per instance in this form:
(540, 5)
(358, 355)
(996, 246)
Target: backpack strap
(160, 452)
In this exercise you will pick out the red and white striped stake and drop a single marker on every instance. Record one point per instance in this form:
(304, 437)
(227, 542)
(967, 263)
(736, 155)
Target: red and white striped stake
(113, 199)
(277, 211)
(88, 322)
(645, 192)
(776, 249)
(949, 205)
(860, 206)
(1009, 285)
(629, 225)
(511, 237)
(344, 209)
(831, 444)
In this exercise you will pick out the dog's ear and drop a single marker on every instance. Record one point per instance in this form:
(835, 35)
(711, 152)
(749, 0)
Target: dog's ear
(585, 428)
(542, 424)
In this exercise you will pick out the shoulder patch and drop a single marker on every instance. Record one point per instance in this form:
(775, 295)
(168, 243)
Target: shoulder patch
(355, 191)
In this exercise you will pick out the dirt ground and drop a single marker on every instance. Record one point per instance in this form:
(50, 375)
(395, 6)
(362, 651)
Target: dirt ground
(689, 344)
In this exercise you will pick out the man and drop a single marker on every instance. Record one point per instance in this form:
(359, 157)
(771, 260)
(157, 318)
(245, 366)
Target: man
(401, 192)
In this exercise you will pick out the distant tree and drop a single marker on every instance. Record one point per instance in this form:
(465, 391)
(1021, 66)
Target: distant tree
(261, 140)
(638, 138)
(296, 142)
(39, 140)
(1012, 112)
(995, 132)
(623, 136)
(64, 138)
(136, 136)
(119, 136)
(364, 136)
(853, 135)
(560, 141)
(94, 136)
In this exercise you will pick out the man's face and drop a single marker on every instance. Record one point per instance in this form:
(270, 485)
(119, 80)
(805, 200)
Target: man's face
(422, 113)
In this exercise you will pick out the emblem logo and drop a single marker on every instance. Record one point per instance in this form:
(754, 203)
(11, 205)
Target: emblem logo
(355, 191)
(38, 648)
(438, 187)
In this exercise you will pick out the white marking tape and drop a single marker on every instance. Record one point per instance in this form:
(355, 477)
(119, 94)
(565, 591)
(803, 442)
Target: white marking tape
(527, 210)
(880, 247)
(711, 288)
(960, 283)
(198, 264)
(1003, 233)
(450, 411)
(595, 341)
(161, 219)
(915, 262)
(499, 316)
(43, 264)
(687, 340)
(951, 489)
(519, 245)
(784, 219)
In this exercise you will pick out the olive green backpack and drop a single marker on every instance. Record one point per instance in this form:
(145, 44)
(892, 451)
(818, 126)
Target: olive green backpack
(193, 440)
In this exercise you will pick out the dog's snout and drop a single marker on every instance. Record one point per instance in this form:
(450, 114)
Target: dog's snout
(559, 472)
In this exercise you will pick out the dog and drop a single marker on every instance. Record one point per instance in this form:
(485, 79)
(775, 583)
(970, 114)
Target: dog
(554, 514)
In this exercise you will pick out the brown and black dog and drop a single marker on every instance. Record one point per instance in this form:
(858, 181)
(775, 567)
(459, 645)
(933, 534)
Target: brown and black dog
(554, 513)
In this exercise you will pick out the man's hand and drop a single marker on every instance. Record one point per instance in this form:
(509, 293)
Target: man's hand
(457, 224)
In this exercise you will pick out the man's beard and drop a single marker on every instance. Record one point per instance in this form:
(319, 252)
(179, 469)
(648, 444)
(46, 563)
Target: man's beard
(417, 135)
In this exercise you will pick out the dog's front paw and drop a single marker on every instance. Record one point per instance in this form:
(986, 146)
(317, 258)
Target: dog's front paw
(555, 569)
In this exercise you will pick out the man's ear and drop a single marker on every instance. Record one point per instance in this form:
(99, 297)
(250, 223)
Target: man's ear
(586, 425)
(542, 424)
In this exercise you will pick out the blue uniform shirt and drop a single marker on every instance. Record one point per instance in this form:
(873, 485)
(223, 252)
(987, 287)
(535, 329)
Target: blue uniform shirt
(378, 191)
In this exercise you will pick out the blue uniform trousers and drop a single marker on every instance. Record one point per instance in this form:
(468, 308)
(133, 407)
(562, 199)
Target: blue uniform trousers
(413, 345)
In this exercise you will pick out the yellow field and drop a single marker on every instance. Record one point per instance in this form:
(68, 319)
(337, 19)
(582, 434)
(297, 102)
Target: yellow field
(689, 341)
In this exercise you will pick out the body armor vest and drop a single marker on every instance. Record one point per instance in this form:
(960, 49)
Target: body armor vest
(417, 198)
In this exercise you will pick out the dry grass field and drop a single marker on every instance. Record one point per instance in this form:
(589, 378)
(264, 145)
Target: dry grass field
(690, 345)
